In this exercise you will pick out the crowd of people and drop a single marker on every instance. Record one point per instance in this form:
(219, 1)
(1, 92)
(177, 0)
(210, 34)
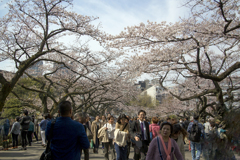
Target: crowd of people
(152, 138)
(23, 125)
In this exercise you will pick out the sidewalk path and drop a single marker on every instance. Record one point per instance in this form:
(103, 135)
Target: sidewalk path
(33, 153)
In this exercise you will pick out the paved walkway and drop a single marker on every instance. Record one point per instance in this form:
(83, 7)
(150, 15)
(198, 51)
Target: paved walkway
(33, 153)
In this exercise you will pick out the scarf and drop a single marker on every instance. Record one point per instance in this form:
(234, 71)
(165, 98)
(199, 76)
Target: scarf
(167, 151)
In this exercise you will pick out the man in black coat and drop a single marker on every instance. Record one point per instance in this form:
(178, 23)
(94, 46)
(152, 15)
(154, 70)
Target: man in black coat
(140, 132)
(25, 125)
(186, 123)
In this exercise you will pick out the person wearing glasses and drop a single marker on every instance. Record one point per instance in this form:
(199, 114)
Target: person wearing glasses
(139, 131)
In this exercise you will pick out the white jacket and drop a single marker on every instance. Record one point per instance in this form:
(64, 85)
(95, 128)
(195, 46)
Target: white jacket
(102, 134)
(110, 131)
(207, 127)
(120, 137)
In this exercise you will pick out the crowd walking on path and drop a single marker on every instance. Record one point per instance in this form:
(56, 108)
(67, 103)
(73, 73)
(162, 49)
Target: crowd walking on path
(71, 136)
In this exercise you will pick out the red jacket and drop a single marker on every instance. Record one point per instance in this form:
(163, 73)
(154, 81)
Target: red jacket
(154, 128)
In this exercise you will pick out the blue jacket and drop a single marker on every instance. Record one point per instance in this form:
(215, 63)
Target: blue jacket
(69, 137)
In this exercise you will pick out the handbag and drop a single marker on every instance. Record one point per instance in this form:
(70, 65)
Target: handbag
(151, 135)
(89, 132)
(47, 154)
(159, 148)
(137, 143)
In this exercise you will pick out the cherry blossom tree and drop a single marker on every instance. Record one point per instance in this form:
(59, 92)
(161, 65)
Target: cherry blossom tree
(202, 49)
(34, 30)
(93, 87)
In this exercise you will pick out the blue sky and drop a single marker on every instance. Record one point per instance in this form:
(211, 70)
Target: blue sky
(114, 15)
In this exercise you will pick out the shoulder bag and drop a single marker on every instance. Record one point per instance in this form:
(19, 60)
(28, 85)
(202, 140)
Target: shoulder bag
(47, 154)
(137, 143)
(89, 132)
(125, 126)
(159, 148)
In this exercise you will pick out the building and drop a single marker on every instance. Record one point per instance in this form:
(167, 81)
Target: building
(36, 69)
(152, 92)
(143, 85)
(152, 89)
(155, 81)
(62, 70)
(160, 94)
(7, 75)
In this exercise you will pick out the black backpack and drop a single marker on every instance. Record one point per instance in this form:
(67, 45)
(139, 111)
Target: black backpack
(47, 154)
(195, 133)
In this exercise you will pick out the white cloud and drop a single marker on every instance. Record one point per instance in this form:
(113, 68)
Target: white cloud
(113, 19)
(115, 16)
(176, 10)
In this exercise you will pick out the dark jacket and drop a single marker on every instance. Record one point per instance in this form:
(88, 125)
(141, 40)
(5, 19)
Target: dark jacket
(31, 127)
(69, 137)
(186, 123)
(25, 123)
(135, 130)
(199, 125)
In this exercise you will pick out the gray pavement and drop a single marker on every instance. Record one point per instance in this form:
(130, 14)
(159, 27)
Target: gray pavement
(33, 153)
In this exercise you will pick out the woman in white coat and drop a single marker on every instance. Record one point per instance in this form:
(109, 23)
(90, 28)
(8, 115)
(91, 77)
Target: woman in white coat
(110, 128)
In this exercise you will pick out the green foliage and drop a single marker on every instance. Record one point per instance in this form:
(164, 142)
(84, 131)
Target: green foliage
(23, 93)
(142, 100)
(12, 108)
(173, 116)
